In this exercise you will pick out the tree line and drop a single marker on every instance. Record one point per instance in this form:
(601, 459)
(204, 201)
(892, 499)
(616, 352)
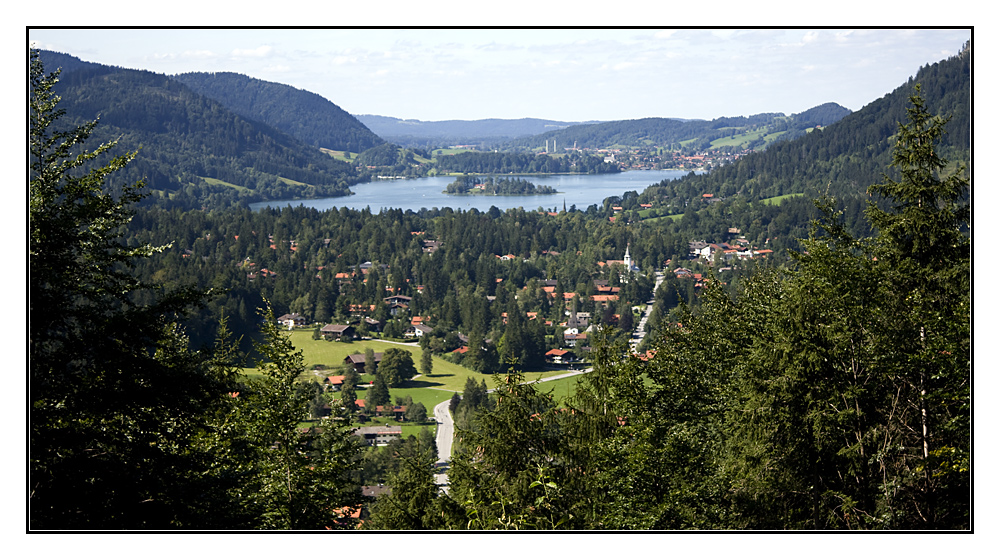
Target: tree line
(522, 162)
(504, 186)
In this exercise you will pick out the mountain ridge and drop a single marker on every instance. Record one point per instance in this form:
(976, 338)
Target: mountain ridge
(308, 116)
(192, 148)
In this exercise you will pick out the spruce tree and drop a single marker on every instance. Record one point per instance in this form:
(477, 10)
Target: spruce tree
(118, 402)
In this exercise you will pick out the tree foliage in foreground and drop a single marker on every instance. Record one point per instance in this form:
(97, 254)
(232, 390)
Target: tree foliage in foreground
(292, 477)
(129, 427)
(117, 400)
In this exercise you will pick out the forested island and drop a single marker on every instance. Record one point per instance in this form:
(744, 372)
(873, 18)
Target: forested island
(492, 186)
(195, 365)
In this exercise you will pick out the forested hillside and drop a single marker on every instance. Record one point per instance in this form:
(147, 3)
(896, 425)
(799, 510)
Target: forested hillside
(842, 159)
(304, 115)
(416, 133)
(508, 162)
(194, 151)
(675, 134)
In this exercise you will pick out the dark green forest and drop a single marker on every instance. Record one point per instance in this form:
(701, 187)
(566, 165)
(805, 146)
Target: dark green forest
(298, 113)
(823, 382)
(492, 186)
(514, 162)
(193, 151)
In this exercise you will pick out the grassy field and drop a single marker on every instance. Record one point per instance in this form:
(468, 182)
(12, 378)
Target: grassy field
(338, 154)
(446, 378)
(744, 138)
(218, 183)
(671, 217)
(449, 151)
(777, 199)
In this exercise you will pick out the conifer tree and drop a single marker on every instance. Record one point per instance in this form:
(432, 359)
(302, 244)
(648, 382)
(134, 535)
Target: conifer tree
(923, 252)
(118, 402)
(294, 478)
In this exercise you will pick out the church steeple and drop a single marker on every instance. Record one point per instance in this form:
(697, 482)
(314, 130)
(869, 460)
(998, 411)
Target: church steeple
(628, 259)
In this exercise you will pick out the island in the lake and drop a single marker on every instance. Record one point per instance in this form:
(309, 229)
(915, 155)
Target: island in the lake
(492, 186)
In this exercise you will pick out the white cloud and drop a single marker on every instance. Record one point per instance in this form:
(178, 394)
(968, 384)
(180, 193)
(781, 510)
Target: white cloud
(261, 51)
(843, 36)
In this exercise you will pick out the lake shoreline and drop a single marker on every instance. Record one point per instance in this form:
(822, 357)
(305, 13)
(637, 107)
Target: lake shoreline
(580, 190)
(501, 195)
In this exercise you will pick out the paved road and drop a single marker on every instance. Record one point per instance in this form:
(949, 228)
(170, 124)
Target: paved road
(640, 330)
(445, 433)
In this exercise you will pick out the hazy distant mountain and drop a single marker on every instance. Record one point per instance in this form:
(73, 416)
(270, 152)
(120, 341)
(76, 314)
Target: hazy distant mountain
(412, 132)
(755, 131)
(307, 116)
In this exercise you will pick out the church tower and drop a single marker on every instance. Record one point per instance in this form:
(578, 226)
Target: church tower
(628, 259)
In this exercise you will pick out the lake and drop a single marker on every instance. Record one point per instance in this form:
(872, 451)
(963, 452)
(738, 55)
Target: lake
(427, 192)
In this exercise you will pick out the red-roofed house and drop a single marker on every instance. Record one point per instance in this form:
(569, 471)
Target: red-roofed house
(559, 356)
(335, 381)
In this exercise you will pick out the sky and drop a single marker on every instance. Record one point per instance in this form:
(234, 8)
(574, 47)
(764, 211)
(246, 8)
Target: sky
(559, 74)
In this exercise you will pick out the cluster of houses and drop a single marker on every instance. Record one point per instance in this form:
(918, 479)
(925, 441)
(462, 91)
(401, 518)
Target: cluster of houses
(739, 248)
(575, 334)
(644, 159)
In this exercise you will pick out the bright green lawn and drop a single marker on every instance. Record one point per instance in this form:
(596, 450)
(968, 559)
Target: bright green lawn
(338, 154)
(775, 200)
(671, 217)
(446, 378)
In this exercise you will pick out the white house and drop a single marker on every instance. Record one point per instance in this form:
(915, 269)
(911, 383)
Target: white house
(292, 320)
(417, 331)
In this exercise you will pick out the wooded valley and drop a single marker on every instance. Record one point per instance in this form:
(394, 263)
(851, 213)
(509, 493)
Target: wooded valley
(806, 363)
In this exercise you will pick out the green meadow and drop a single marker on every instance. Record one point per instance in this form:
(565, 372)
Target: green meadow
(445, 378)
(777, 199)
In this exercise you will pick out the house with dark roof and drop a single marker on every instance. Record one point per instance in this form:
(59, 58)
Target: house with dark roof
(338, 332)
(358, 361)
(292, 320)
(417, 331)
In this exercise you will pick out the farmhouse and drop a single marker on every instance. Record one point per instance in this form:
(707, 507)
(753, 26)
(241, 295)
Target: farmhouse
(559, 356)
(571, 339)
(417, 331)
(335, 381)
(337, 332)
(292, 320)
(358, 361)
(379, 435)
